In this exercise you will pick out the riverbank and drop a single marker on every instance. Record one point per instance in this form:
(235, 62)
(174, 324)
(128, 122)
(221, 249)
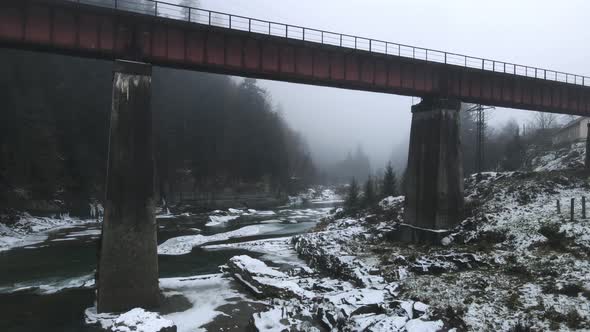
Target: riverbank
(26, 230)
(514, 264)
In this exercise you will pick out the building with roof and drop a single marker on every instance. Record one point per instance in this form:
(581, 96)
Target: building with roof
(574, 131)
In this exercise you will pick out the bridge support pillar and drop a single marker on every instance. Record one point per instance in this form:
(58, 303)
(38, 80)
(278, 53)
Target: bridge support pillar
(127, 274)
(434, 176)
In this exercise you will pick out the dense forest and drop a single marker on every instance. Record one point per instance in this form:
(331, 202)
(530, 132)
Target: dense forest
(211, 131)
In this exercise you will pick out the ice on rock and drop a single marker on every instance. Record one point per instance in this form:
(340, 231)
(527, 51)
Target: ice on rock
(184, 244)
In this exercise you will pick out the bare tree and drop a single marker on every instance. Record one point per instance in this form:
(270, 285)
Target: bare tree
(543, 120)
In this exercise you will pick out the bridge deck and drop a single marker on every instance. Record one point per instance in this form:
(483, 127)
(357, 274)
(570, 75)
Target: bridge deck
(176, 36)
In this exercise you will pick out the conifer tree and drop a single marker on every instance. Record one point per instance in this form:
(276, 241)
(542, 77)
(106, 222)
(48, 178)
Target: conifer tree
(389, 186)
(370, 197)
(352, 197)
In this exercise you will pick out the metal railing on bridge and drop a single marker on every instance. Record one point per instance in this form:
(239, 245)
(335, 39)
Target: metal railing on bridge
(253, 25)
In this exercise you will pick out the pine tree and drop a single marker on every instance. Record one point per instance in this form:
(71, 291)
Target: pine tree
(389, 186)
(370, 197)
(352, 196)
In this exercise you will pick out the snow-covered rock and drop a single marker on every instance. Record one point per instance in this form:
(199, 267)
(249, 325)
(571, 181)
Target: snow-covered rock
(219, 220)
(391, 202)
(264, 281)
(142, 321)
(138, 320)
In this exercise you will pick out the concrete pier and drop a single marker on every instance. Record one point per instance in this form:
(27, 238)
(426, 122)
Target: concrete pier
(434, 176)
(128, 264)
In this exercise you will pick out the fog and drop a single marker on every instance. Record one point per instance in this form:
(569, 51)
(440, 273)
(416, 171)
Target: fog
(545, 34)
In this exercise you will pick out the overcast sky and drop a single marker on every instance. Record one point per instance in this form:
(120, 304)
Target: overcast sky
(542, 33)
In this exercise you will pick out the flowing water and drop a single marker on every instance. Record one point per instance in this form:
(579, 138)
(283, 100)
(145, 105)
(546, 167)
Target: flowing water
(40, 284)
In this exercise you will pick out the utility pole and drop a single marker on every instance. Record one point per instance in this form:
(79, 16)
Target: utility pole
(480, 139)
(480, 121)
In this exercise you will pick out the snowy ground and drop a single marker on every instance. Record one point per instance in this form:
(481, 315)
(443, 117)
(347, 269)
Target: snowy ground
(566, 158)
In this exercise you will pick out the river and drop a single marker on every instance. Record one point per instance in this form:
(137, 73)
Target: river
(47, 286)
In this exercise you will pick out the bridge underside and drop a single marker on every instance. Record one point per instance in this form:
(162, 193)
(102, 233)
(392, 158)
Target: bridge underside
(81, 30)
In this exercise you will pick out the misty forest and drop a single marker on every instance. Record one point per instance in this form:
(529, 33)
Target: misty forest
(166, 168)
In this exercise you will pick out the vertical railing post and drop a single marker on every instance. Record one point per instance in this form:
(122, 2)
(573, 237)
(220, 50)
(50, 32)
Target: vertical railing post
(269, 28)
(209, 17)
(572, 209)
(558, 207)
(370, 45)
(303, 34)
(189, 13)
(230, 21)
(322, 37)
(340, 40)
(156, 8)
(286, 31)
(386, 44)
(355, 43)
(399, 50)
(116, 4)
(249, 25)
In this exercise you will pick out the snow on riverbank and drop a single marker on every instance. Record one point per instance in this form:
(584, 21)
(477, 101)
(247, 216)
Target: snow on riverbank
(50, 286)
(29, 230)
(316, 196)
